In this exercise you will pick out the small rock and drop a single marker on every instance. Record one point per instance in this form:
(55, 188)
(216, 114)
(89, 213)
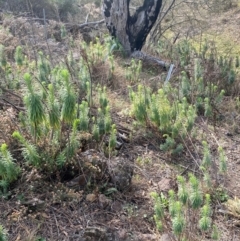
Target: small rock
(148, 237)
(166, 237)
(165, 184)
(91, 197)
(116, 206)
(122, 234)
(104, 201)
(95, 234)
(121, 171)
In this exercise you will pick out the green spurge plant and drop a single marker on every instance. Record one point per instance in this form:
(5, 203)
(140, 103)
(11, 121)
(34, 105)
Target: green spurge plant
(205, 74)
(205, 220)
(52, 145)
(103, 122)
(208, 165)
(195, 196)
(133, 71)
(3, 234)
(204, 94)
(222, 161)
(184, 49)
(62, 122)
(29, 151)
(178, 222)
(174, 119)
(8, 79)
(84, 117)
(34, 106)
(44, 68)
(68, 98)
(158, 210)
(19, 58)
(3, 59)
(185, 209)
(9, 171)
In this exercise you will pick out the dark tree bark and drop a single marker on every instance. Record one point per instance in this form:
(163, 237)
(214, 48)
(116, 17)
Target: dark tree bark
(131, 30)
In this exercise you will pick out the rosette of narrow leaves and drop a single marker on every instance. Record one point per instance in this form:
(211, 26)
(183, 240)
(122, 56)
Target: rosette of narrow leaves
(207, 107)
(237, 62)
(103, 99)
(96, 133)
(3, 234)
(19, 56)
(205, 220)
(61, 159)
(3, 59)
(44, 68)
(200, 87)
(9, 171)
(184, 49)
(185, 85)
(195, 196)
(164, 111)
(34, 105)
(107, 120)
(182, 190)
(73, 142)
(140, 103)
(84, 77)
(169, 143)
(53, 109)
(178, 222)
(112, 65)
(71, 61)
(197, 70)
(154, 111)
(215, 233)
(84, 118)
(113, 138)
(206, 176)
(69, 99)
(222, 160)
(101, 122)
(171, 203)
(97, 51)
(218, 99)
(231, 77)
(63, 31)
(158, 210)
(207, 159)
(29, 151)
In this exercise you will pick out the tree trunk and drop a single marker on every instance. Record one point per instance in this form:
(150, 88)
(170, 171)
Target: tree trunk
(131, 30)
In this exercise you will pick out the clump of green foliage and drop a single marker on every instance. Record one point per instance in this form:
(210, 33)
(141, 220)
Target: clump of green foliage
(205, 95)
(174, 119)
(189, 211)
(133, 71)
(189, 208)
(210, 168)
(9, 171)
(45, 121)
(56, 118)
(3, 234)
(8, 75)
(202, 65)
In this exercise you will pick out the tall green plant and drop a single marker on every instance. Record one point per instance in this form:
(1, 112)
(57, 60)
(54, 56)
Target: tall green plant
(9, 171)
(3, 234)
(69, 99)
(34, 106)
